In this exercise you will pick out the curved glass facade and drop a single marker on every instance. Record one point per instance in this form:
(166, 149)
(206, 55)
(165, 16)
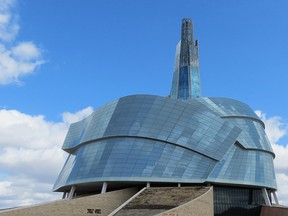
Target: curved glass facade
(183, 138)
(147, 138)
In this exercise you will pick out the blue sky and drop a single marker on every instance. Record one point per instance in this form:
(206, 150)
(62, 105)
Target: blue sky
(96, 51)
(77, 55)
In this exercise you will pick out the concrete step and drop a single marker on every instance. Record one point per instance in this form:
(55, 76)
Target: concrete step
(156, 200)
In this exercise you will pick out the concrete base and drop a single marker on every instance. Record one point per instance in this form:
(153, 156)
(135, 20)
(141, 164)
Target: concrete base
(100, 204)
(155, 201)
(201, 206)
(173, 201)
(274, 211)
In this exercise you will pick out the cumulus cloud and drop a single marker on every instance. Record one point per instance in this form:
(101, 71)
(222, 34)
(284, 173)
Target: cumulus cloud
(8, 20)
(16, 58)
(30, 146)
(35, 131)
(74, 117)
(23, 190)
(277, 128)
(31, 156)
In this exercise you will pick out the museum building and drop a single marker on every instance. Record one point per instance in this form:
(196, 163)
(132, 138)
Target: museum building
(179, 140)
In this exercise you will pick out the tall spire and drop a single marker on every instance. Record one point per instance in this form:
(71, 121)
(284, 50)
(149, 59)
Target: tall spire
(186, 78)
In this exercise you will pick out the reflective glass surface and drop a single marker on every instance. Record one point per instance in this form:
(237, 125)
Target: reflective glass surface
(183, 87)
(186, 79)
(142, 137)
(135, 159)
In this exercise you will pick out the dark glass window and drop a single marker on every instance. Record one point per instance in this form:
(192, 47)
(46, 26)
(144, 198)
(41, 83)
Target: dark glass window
(237, 201)
(183, 87)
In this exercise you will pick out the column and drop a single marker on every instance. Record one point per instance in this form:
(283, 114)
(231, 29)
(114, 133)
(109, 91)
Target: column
(104, 187)
(266, 197)
(72, 191)
(64, 195)
(275, 197)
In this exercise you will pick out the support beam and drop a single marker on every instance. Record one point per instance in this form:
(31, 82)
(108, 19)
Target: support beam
(72, 192)
(64, 195)
(104, 187)
(266, 197)
(275, 197)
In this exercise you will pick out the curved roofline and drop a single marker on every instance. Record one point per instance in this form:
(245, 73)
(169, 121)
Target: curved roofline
(254, 149)
(140, 137)
(247, 117)
(183, 101)
(72, 150)
(218, 103)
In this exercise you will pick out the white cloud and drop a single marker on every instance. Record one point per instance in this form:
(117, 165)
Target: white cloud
(16, 58)
(25, 50)
(22, 190)
(8, 20)
(5, 188)
(282, 193)
(35, 131)
(277, 128)
(74, 117)
(31, 156)
(30, 146)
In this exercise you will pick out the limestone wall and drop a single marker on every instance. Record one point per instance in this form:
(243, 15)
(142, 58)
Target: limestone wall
(100, 204)
(201, 206)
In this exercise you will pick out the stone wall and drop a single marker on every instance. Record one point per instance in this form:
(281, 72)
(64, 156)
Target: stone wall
(200, 206)
(100, 205)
